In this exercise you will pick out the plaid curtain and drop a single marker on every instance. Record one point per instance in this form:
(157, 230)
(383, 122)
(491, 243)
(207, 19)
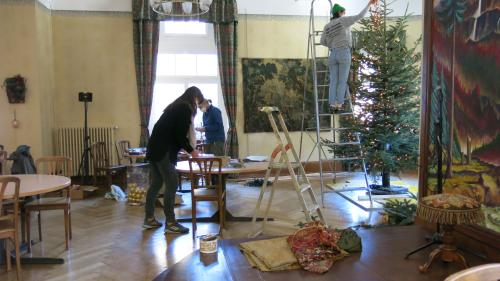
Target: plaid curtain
(225, 39)
(146, 34)
(223, 15)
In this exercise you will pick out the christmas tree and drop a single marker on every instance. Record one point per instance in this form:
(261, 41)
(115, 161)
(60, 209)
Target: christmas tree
(386, 93)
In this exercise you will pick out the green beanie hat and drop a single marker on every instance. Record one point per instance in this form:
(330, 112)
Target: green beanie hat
(337, 8)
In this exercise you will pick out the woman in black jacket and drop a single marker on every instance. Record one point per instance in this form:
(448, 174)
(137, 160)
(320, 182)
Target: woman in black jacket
(169, 136)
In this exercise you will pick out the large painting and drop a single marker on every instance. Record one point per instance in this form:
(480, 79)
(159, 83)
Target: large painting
(465, 92)
(281, 83)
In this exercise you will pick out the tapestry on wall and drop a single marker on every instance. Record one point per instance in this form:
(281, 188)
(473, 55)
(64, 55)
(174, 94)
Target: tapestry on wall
(280, 83)
(466, 90)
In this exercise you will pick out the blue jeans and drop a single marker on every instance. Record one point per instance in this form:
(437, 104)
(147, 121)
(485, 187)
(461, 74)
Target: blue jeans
(339, 63)
(162, 172)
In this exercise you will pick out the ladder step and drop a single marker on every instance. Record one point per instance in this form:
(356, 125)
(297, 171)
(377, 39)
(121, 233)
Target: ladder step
(322, 99)
(321, 71)
(313, 209)
(342, 143)
(324, 85)
(345, 158)
(305, 187)
(318, 31)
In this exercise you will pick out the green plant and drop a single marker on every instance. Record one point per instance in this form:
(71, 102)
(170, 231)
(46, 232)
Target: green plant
(400, 211)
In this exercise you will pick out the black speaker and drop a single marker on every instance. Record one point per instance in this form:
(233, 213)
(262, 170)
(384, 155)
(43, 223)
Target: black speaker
(85, 96)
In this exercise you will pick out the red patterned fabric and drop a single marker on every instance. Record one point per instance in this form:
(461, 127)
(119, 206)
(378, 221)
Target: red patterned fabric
(315, 247)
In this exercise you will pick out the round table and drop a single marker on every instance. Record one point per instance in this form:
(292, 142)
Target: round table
(31, 185)
(248, 168)
(37, 184)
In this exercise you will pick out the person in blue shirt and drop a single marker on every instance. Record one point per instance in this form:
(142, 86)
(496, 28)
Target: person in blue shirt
(213, 128)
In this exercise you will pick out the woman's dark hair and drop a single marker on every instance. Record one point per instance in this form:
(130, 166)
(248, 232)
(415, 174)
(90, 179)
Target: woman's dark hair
(336, 15)
(189, 97)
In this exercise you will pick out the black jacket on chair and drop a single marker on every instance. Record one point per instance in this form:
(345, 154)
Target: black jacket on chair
(22, 161)
(170, 133)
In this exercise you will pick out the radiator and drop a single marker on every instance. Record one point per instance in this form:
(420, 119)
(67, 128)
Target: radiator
(69, 143)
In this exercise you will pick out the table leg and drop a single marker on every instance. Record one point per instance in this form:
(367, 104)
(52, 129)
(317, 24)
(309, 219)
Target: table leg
(29, 260)
(229, 216)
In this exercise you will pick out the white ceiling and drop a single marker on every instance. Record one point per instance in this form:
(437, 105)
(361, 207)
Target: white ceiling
(258, 7)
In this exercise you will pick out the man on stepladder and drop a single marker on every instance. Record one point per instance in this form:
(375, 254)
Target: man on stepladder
(337, 37)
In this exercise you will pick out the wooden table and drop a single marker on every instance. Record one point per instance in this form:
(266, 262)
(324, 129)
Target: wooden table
(248, 168)
(32, 185)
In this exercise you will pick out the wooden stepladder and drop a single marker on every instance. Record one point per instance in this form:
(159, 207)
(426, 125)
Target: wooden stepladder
(296, 170)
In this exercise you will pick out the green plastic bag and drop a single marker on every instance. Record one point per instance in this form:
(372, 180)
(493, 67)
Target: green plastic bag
(349, 241)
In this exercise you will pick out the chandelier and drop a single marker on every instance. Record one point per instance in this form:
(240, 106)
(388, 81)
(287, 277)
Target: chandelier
(180, 8)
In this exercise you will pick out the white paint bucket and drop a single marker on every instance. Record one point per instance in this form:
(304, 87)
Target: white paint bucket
(208, 243)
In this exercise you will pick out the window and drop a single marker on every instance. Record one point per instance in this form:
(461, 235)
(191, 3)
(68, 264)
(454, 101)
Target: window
(184, 60)
(187, 65)
(185, 27)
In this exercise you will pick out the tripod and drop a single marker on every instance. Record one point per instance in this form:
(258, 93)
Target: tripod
(437, 237)
(83, 168)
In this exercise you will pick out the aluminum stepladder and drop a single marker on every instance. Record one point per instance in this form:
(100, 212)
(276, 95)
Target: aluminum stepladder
(327, 136)
(299, 178)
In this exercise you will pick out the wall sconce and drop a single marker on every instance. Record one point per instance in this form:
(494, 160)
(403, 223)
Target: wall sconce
(15, 122)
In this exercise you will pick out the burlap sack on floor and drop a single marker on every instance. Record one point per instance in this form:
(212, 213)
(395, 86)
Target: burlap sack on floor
(270, 254)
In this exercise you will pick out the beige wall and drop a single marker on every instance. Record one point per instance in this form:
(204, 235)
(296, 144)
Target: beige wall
(19, 51)
(63, 53)
(94, 53)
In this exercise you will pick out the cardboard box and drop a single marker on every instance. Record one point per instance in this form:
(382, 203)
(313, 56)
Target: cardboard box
(79, 192)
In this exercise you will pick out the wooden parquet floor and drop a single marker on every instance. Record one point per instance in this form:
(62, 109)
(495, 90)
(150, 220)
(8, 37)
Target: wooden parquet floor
(110, 244)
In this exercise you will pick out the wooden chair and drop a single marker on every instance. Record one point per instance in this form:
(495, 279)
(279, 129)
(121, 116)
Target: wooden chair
(9, 226)
(202, 172)
(101, 164)
(51, 165)
(122, 147)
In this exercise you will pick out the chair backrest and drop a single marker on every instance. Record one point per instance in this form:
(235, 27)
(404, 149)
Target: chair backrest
(3, 161)
(203, 169)
(54, 165)
(99, 153)
(5, 184)
(122, 147)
